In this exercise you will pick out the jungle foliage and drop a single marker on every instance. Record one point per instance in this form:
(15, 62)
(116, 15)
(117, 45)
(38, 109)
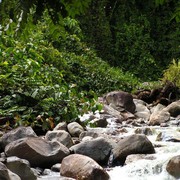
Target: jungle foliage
(57, 57)
(141, 37)
(49, 75)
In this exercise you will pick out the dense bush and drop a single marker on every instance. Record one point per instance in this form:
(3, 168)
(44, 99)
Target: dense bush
(49, 75)
(172, 73)
(137, 36)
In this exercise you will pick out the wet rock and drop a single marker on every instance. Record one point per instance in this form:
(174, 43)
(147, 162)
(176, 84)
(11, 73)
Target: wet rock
(99, 122)
(87, 138)
(6, 174)
(56, 167)
(15, 134)
(75, 129)
(141, 110)
(133, 144)
(76, 140)
(147, 131)
(164, 125)
(173, 166)
(157, 108)
(113, 112)
(88, 133)
(21, 167)
(120, 100)
(82, 167)
(174, 108)
(172, 136)
(61, 136)
(39, 152)
(97, 149)
(1, 133)
(61, 126)
(135, 157)
(159, 115)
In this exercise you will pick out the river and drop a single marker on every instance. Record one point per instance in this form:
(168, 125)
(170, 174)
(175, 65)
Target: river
(145, 169)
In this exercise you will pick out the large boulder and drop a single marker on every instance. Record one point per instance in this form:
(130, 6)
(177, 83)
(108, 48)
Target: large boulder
(21, 167)
(173, 167)
(133, 144)
(15, 134)
(6, 174)
(60, 136)
(97, 149)
(75, 129)
(39, 152)
(82, 167)
(120, 100)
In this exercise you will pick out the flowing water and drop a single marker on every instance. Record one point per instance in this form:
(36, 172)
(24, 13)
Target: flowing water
(146, 169)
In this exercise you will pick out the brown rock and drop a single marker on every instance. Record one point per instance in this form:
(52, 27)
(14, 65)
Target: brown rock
(133, 144)
(174, 108)
(15, 134)
(61, 136)
(173, 166)
(21, 167)
(39, 152)
(97, 149)
(120, 100)
(82, 167)
(75, 129)
(6, 174)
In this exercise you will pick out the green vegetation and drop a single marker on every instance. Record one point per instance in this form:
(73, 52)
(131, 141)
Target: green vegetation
(141, 37)
(173, 73)
(54, 65)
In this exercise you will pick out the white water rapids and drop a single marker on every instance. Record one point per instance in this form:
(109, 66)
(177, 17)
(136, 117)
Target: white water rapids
(146, 169)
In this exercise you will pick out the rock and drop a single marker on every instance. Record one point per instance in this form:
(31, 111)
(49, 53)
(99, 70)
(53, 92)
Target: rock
(82, 167)
(135, 157)
(97, 149)
(15, 134)
(75, 140)
(141, 110)
(39, 152)
(113, 112)
(133, 144)
(1, 133)
(157, 108)
(99, 122)
(75, 129)
(61, 136)
(120, 100)
(61, 126)
(174, 108)
(88, 133)
(164, 125)
(87, 138)
(21, 167)
(6, 174)
(159, 115)
(56, 167)
(173, 166)
(147, 131)
(172, 136)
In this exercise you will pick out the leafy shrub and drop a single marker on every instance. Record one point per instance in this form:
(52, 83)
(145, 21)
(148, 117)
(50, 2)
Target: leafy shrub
(48, 77)
(173, 73)
(133, 48)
